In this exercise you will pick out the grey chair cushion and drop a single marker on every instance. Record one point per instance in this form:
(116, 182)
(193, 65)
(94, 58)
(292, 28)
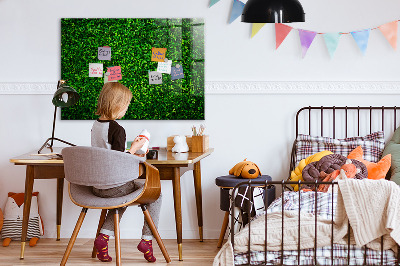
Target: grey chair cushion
(99, 167)
(83, 196)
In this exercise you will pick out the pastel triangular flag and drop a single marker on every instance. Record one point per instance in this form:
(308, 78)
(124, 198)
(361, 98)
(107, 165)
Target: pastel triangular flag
(281, 31)
(306, 39)
(389, 30)
(255, 28)
(332, 41)
(361, 37)
(237, 9)
(212, 2)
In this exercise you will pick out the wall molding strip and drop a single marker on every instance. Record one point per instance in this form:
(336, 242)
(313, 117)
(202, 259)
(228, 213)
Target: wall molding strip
(28, 88)
(248, 87)
(303, 87)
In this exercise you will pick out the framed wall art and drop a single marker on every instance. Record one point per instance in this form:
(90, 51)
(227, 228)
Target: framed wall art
(160, 60)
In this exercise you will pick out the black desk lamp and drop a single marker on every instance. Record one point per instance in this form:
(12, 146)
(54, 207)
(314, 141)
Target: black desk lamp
(272, 11)
(65, 96)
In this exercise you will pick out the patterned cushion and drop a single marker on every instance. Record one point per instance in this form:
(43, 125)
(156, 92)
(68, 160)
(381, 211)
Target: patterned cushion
(372, 144)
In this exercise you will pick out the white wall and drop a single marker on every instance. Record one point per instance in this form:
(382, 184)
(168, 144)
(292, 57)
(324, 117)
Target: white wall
(257, 126)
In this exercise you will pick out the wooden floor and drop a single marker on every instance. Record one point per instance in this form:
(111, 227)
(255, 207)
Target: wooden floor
(50, 252)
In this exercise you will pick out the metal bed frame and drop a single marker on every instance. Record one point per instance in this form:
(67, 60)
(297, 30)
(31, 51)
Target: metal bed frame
(283, 184)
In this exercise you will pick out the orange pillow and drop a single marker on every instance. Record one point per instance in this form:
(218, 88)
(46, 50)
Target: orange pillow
(375, 170)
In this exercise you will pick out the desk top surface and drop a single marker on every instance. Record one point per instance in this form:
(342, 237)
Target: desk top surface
(164, 157)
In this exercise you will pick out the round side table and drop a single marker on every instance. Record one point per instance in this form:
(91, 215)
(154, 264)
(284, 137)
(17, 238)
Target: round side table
(228, 182)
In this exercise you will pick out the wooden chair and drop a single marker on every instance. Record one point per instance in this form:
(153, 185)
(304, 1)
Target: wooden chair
(85, 167)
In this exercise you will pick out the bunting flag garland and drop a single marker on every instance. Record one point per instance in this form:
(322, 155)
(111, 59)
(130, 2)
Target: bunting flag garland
(306, 39)
(255, 28)
(332, 41)
(237, 8)
(361, 37)
(213, 2)
(389, 30)
(281, 31)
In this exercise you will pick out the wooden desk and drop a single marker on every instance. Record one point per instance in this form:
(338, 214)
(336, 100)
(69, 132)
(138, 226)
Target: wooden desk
(40, 167)
(171, 167)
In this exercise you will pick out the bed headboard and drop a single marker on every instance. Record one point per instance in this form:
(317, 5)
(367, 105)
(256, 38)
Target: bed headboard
(344, 121)
(344, 118)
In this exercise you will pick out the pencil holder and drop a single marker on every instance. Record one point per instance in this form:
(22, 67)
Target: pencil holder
(200, 143)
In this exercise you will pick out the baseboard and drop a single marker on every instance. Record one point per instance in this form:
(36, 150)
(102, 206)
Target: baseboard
(247, 87)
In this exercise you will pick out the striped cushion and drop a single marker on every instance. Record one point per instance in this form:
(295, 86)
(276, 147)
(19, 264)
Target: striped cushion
(372, 145)
(13, 228)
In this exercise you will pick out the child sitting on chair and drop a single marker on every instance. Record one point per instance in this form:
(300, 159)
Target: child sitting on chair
(106, 133)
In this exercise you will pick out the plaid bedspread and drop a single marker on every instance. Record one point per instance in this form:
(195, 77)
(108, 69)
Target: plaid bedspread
(321, 205)
(307, 202)
(324, 257)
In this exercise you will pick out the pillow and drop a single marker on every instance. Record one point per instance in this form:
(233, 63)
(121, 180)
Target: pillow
(372, 144)
(375, 170)
(329, 164)
(296, 174)
(393, 148)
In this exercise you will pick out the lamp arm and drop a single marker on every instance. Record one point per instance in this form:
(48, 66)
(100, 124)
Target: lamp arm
(46, 143)
(54, 118)
(54, 126)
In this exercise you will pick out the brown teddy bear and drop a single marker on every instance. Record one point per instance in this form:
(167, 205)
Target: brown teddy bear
(245, 169)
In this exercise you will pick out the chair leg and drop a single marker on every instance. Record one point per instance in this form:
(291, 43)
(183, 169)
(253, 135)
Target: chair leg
(101, 222)
(117, 239)
(223, 229)
(154, 230)
(73, 236)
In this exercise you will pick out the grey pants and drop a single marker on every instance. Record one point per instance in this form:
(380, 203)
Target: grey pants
(154, 208)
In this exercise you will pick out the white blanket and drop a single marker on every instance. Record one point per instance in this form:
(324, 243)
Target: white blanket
(373, 209)
(274, 235)
(371, 206)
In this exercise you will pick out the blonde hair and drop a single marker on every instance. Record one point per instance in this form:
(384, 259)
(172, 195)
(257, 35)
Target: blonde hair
(112, 99)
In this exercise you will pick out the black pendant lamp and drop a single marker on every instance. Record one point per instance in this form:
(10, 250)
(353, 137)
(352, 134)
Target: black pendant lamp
(273, 11)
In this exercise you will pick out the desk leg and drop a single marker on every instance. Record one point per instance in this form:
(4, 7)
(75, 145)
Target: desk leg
(176, 182)
(199, 204)
(27, 206)
(60, 190)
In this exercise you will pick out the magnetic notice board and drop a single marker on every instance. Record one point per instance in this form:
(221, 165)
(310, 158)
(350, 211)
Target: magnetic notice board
(131, 41)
